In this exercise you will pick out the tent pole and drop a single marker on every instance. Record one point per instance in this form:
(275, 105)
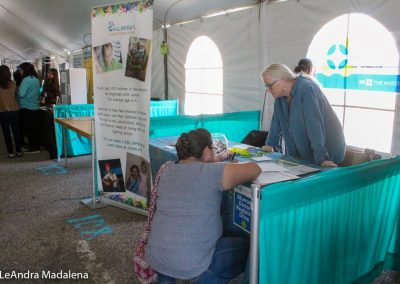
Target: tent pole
(165, 64)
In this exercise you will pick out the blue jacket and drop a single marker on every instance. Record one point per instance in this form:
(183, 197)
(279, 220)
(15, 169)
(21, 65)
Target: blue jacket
(311, 129)
(29, 93)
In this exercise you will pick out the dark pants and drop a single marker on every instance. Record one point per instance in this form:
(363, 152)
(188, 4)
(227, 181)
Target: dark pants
(228, 261)
(30, 127)
(10, 122)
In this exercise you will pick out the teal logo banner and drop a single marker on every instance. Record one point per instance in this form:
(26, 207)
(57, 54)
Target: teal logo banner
(368, 82)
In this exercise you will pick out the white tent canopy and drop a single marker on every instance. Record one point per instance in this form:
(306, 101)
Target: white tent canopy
(248, 40)
(31, 29)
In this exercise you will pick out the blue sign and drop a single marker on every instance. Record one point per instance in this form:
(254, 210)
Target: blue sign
(242, 207)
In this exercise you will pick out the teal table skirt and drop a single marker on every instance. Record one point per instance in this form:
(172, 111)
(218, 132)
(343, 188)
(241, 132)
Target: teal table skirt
(333, 227)
(235, 125)
(80, 145)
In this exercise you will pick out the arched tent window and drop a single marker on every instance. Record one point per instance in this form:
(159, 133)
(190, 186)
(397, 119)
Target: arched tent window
(356, 62)
(203, 72)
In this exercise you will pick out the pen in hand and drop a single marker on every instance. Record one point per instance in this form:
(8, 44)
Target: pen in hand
(233, 156)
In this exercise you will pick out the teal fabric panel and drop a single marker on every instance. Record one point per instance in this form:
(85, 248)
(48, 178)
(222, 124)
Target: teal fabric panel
(333, 227)
(78, 145)
(172, 125)
(164, 108)
(235, 125)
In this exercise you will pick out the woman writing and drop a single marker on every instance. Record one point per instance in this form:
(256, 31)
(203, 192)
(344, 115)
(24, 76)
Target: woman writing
(303, 117)
(186, 240)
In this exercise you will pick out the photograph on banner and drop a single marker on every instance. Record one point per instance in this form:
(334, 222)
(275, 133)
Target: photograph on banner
(138, 176)
(137, 58)
(111, 175)
(107, 57)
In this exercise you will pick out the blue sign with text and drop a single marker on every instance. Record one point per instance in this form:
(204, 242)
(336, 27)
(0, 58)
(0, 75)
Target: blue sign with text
(242, 207)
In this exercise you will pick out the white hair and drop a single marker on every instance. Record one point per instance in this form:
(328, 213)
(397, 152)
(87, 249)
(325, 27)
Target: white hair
(278, 71)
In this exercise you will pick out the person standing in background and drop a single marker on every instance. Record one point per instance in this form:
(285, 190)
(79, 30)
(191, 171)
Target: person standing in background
(305, 67)
(9, 115)
(28, 98)
(51, 88)
(17, 77)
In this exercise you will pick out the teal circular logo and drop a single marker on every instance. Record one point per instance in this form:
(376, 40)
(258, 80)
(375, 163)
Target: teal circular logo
(337, 56)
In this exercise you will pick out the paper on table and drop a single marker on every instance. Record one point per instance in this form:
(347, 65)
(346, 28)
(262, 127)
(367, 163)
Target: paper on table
(262, 158)
(241, 146)
(301, 170)
(272, 177)
(272, 167)
(169, 147)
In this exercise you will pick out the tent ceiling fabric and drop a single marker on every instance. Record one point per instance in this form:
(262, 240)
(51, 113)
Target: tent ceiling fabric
(31, 29)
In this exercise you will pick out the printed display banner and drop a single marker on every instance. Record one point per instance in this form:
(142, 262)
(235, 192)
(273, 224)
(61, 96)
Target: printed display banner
(121, 40)
(242, 207)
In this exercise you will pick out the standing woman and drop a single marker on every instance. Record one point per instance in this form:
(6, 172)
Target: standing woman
(51, 88)
(186, 239)
(9, 115)
(303, 117)
(28, 98)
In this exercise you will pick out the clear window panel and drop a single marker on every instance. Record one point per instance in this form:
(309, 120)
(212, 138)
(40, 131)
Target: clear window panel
(196, 104)
(369, 128)
(203, 78)
(339, 113)
(203, 53)
(212, 80)
(193, 104)
(372, 99)
(194, 79)
(212, 104)
(334, 96)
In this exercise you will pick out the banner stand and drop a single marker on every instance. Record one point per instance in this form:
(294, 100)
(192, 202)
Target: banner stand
(255, 222)
(107, 202)
(121, 59)
(93, 202)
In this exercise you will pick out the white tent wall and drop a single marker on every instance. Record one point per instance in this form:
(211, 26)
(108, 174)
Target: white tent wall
(290, 27)
(237, 37)
(248, 43)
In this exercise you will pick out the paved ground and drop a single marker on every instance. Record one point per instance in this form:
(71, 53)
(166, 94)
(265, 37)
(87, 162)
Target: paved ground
(45, 228)
(35, 206)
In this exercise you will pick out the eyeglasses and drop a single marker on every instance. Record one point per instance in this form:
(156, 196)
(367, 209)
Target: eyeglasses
(269, 86)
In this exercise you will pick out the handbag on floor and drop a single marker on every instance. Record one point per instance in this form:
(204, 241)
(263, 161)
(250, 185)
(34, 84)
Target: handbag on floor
(142, 269)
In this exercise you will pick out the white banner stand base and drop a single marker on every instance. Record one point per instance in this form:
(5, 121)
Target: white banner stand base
(93, 204)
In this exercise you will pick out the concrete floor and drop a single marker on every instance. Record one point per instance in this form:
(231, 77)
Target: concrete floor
(45, 228)
(36, 204)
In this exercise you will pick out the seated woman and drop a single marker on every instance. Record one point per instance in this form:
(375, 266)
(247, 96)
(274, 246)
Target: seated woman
(186, 240)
